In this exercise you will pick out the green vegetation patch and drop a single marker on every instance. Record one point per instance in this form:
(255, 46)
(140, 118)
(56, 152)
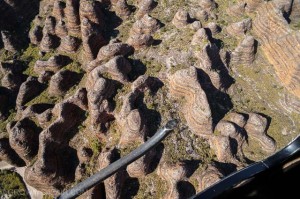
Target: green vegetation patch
(12, 186)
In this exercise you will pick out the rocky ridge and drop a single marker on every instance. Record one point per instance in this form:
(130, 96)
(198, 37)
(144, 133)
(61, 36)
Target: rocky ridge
(99, 77)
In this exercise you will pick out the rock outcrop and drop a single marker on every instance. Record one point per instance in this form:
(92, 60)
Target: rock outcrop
(10, 43)
(24, 139)
(62, 81)
(50, 172)
(211, 175)
(172, 174)
(114, 184)
(184, 84)
(99, 91)
(181, 19)
(279, 44)
(144, 7)
(28, 90)
(239, 29)
(256, 128)
(8, 154)
(245, 52)
(141, 31)
(54, 64)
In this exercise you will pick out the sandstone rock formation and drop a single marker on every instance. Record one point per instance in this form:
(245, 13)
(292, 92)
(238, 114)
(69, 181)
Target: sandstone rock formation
(72, 16)
(23, 138)
(141, 31)
(239, 28)
(237, 9)
(10, 43)
(62, 81)
(245, 52)
(122, 9)
(172, 174)
(181, 19)
(144, 7)
(54, 64)
(92, 39)
(28, 90)
(279, 44)
(211, 175)
(99, 90)
(50, 172)
(184, 83)
(69, 44)
(114, 184)
(256, 127)
(8, 154)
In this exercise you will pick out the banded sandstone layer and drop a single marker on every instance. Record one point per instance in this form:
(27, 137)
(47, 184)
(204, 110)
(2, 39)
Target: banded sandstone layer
(91, 80)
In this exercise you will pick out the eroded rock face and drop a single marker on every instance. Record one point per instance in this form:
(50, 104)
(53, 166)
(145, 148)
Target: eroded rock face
(114, 184)
(50, 173)
(279, 44)
(23, 138)
(256, 127)
(144, 7)
(172, 174)
(181, 19)
(28, 90)
(62, 81)
(211, 175)
(184, 83)
(69, 44)
(99, 90)
(122, 9)
(54, 64)
(237, 9)
(245, 52)
(140, 33)
(9, 41)
(239, 28)
(72, 16)
(92, 39)
(8, 154)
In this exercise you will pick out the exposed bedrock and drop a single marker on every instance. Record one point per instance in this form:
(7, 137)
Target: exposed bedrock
(240, 28)
(92, 39)
(54, 64)
(8, 154)
(114, 48)
(69, 44)
(252, 5)
(62, 81)
(244, 54)
(99, 91)
(145, 7)
(9, 41)
(24, 139)
(173, 174)
(51, 172)
(28, 90)
(237, 9)
(184, 84)
(72, 17)
(211, 175)
(91, 10)
(131, 121)
(280, 44)
(256, 128)
(181, 19)
(236, 140)
(122, 9)
(114, 184)
(141, 31)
